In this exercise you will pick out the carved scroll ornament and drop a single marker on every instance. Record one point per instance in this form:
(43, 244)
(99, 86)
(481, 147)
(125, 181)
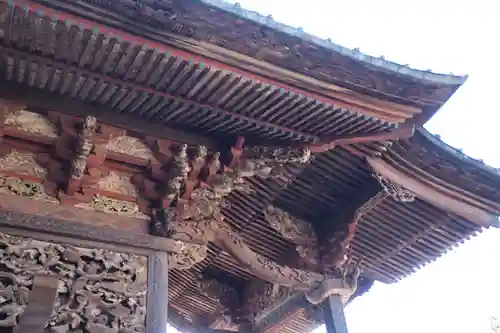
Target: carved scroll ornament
(395, 191)
(99, 290)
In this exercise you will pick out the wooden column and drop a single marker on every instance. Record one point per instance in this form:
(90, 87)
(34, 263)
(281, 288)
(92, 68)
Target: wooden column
(333, 312)
(157, 295)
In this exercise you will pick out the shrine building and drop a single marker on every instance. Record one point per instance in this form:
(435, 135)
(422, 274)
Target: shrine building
(195, 164)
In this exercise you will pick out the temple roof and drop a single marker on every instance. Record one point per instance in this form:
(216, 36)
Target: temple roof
(377, 62)
(154, 69)
(196, 75)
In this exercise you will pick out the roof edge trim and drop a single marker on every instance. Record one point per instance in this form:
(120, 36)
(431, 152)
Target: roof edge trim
(426, 76)
(458, 153)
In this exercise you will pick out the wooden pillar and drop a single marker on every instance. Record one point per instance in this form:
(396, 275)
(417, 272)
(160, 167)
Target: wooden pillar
(157, 295)
(333, 312)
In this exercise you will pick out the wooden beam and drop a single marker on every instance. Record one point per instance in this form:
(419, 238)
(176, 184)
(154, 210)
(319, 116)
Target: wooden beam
(41, 300)
(53, 229)
(433, 195)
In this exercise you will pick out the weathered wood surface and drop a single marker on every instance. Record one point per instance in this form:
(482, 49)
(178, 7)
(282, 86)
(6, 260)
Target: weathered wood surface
(157, 296)
(41, 301)
(77, 231)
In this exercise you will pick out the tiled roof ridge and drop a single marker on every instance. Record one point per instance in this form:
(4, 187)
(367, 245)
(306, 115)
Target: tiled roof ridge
(458, 153)
(380, 62)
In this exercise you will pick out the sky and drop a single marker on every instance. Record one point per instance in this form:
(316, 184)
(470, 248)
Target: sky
(459, 292)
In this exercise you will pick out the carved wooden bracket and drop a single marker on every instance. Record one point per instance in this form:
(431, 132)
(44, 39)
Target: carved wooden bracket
(394, 190)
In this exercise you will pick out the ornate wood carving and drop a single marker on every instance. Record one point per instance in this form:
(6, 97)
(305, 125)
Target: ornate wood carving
(130, 146)
(197, 219)
(196, 187)
(296, 230)
(395, 191)
(113, 206)
(344, 286)
(24, 188)
(84, 147)
(118, 183)
(22, 163)
(99, 291)
(31, 122)
(260, 295)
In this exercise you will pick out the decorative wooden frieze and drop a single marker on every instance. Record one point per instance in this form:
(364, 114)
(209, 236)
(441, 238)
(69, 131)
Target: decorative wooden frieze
(99, 290)
(118, 183)
(22, 163)
(25, 188)
(130, 146)
(395, 191)
(113, 206)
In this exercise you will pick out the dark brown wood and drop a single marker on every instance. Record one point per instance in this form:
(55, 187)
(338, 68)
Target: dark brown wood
(265, 42)
(60, 227)
(157, 296)
(41, 301)
(333, 312)
(38, 98)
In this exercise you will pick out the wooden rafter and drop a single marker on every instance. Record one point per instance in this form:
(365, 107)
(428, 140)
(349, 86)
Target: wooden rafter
(340, 96)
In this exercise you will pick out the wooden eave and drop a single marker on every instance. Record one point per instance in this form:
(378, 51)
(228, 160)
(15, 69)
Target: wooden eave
(159, 82)
(204, 24)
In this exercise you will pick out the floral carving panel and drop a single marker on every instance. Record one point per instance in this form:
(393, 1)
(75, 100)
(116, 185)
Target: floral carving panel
(99, 290)
(31, 122)
(22, 163)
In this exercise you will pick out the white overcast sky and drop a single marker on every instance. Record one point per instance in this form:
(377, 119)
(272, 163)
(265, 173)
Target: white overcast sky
(459, 292)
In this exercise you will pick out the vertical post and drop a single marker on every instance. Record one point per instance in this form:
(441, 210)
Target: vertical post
(157, 294)
(333, 312)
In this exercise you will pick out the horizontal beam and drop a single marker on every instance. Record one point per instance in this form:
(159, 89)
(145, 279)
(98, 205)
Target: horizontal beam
(53, 222)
